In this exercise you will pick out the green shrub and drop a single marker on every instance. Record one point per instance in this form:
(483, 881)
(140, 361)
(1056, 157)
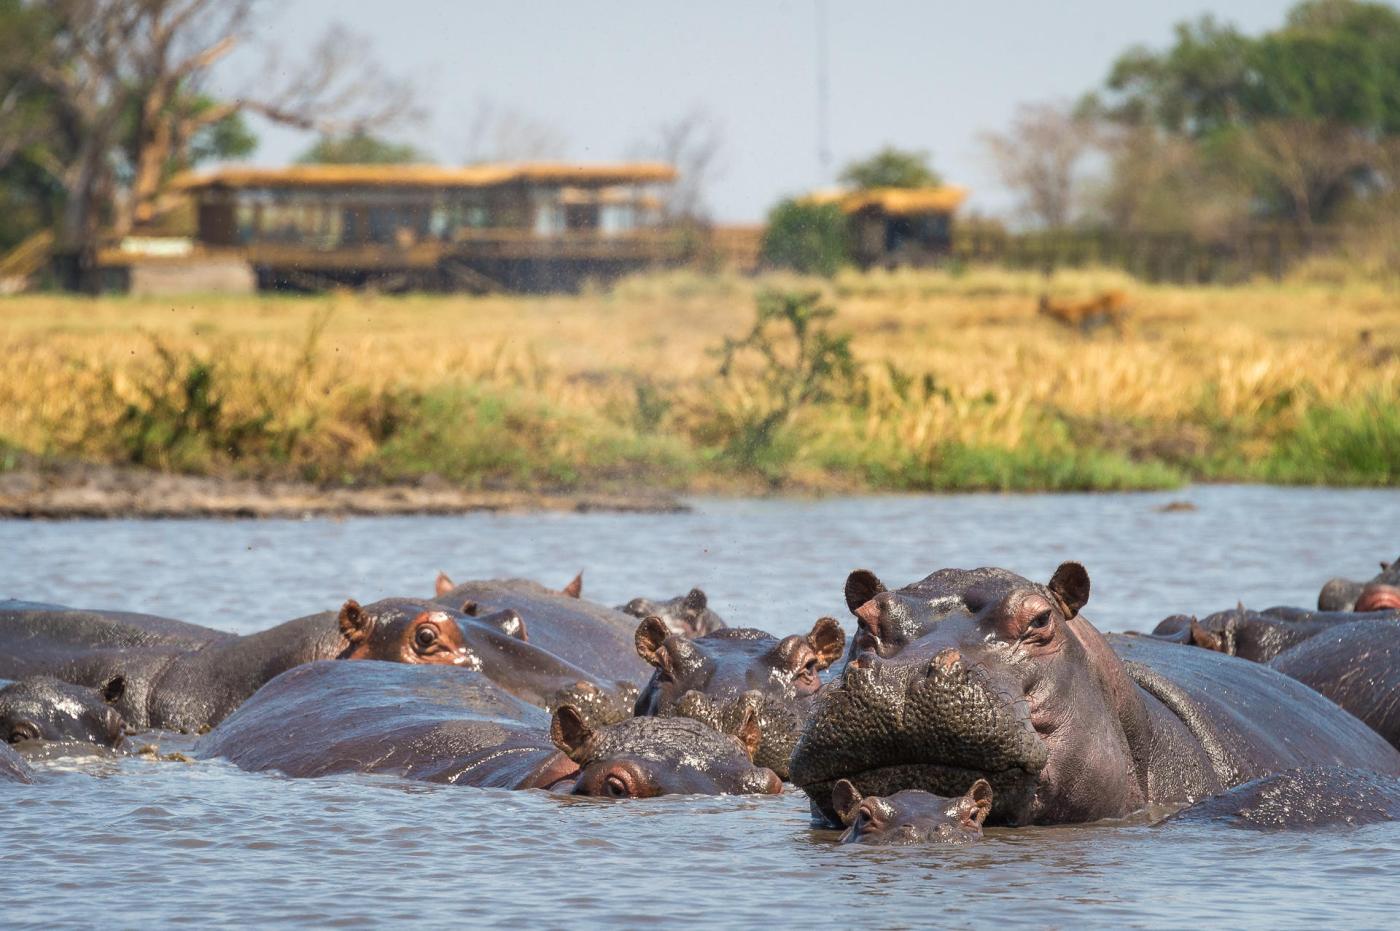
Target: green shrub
(809, 238)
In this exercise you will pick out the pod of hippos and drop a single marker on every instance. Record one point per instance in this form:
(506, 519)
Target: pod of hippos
(968, 698)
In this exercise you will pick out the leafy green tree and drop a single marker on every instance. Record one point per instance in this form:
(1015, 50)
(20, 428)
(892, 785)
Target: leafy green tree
(891, 167)
(806, 237)
(360, 148)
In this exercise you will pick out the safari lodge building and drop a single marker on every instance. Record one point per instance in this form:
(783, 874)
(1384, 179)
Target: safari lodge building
(512, 227)
(897, 226)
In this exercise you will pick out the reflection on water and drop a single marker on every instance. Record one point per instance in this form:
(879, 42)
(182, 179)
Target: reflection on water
(151, 841)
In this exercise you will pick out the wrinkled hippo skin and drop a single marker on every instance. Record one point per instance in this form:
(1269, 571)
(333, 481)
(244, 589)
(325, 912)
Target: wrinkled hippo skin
(177, 687)
(1258, 636)
(721, 677)
(1357, 666)
(42, 708)
(455, 726)
(1315, 797)
(13, 768)
(591, 636)
(1009, 683)
(1381, 592)
(912, 817)
(688, 615)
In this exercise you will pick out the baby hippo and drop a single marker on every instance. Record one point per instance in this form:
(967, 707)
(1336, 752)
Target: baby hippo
(911, 817)
(41, 708)
(688, 615)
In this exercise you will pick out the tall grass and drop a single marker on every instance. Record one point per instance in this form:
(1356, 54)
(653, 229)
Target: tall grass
(953, 383)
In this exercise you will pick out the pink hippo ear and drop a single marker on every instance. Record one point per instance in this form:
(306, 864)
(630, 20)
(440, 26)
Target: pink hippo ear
(355, 622)
(575, 587)
(974, 807)
(570, 734)
(827, 640)
(861, 586)
(650, 638)
(846, 799)
(443, 585)
(1070, 583)
(1198, 636)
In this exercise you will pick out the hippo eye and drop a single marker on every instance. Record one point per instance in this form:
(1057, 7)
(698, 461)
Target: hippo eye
(1040, 621)
(615, 787)
(23, 732)
(425, 637)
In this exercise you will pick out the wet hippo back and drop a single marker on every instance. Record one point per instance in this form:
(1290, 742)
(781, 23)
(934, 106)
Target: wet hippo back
(1250, 719)
(1301, 798)
(12, 766)
(1358, 667)
(434, 724)
(591, 636)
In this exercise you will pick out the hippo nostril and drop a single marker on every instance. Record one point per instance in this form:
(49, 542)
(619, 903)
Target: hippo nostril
(866, 659)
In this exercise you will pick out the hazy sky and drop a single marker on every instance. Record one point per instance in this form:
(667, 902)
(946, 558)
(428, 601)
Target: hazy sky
(603, 74)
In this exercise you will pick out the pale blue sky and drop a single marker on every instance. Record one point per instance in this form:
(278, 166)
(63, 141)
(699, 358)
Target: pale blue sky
(918, 75)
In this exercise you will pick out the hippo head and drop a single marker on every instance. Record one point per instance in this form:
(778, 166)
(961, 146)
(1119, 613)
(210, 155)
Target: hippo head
(1218, 632)
(688, 615)
(645, 757)
(887, 620)
(404, 632)
(40, 708)
(912, 816)
(1383, 592)
(1007, 683)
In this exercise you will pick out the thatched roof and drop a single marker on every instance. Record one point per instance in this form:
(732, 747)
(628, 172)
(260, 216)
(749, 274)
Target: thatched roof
(431, 176)
(893, 200)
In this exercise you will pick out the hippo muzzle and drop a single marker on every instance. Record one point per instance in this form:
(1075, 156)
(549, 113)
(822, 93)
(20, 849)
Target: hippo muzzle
(932, 722)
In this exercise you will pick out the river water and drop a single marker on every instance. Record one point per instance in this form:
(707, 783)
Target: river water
(134, 841)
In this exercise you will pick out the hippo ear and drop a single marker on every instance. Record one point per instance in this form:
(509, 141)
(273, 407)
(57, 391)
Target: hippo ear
(113, 691)
(1070, 583)
(974, 807)
(827, 640)
(355, 622)
(443, 585)
(575, 587)
(750, 733)
(651, 635)
(570, 734)
(846, 799)
(861, 586)
(1198, 636)
(695, 601)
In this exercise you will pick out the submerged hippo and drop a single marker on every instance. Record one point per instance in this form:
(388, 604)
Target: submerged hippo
(1258, 635)
(182, 688)
(591, 636)
(912, 816)
(1301, 798)
(688, 615)
(721, 677)
(1010, 683)
(1381, 592)
(92, 629)
(42, 708)
(438, 725)
(1357, 666)
(13, 768)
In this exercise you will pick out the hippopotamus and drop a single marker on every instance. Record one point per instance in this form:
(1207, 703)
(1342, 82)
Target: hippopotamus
(591, 636)
(94, 628)
(722, 676)
(13, 768)
(1258, 635)
(688, 615)
(438, 725)
(1010, 683)
(1357, 666)
(177, 687)
(1383, 591)
(911, 817)
(1312, 797)
(42, 708)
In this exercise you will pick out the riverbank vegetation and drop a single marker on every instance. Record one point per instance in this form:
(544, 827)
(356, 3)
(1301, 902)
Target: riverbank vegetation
(887, 381)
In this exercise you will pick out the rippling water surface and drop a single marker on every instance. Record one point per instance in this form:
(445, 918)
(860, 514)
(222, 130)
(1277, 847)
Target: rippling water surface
(131, 841)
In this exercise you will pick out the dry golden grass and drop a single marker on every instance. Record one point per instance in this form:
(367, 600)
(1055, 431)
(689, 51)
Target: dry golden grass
(946, 360)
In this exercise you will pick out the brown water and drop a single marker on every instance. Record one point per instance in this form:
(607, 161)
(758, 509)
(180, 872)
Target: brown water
(130, 841)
